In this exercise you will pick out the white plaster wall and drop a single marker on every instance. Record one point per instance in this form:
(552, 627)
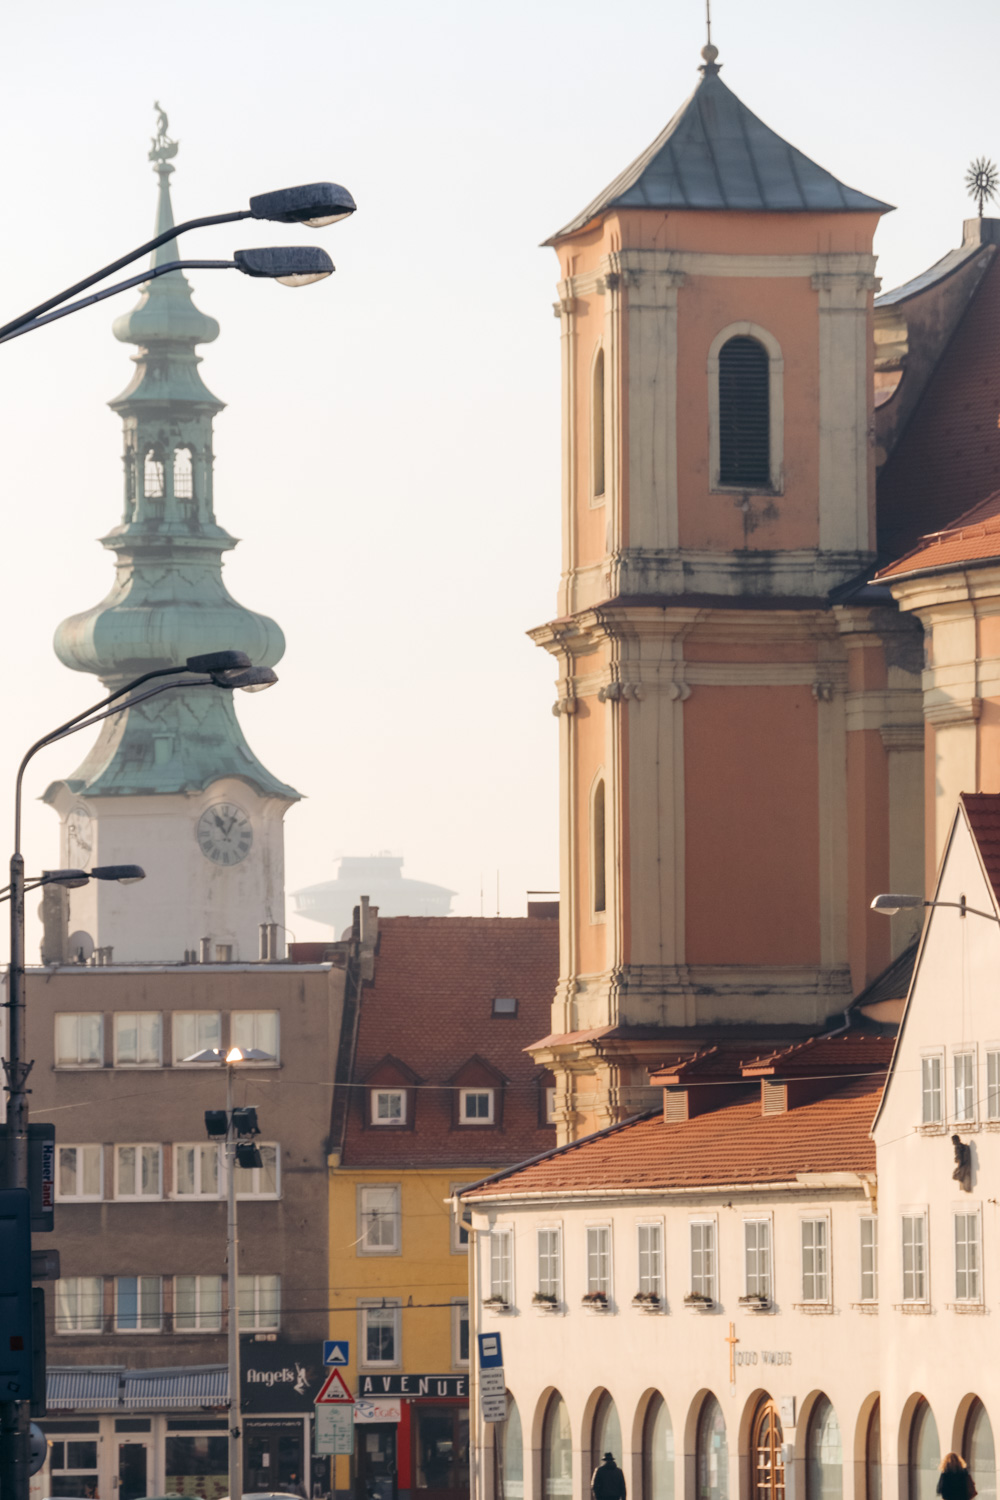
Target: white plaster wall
(680, 1353)
(185, 896)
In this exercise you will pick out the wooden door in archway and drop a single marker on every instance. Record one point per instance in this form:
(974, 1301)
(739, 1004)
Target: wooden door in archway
(768, 1468)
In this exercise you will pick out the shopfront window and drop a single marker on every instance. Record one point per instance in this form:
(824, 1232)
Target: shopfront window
(713, 1453)
(73, 1467)
(557, 1451)
(925, 1454)
(979, 1452)
(607, 1434)
(825, 1465)
(873, 1455)
(196, 1464)
(441, 1448)
(658, 1452)
(511, 1479)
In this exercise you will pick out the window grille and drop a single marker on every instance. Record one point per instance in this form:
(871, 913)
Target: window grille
(549, 1262)
(651, 1259)
(967, 1258)
(501, 1270)
(965, 1086)
(914, 1258)
(815, 1261)
(744, 413)
(757, 1243)
(183, 474)
(869, 1259)
(930, 1087)
(599, 1259)
(703, 1259)
(152, 478)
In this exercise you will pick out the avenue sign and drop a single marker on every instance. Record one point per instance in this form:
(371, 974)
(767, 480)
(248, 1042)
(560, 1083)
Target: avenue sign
(413, 1385)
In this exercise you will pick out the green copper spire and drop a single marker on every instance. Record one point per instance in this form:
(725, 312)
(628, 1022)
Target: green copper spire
(168, 601)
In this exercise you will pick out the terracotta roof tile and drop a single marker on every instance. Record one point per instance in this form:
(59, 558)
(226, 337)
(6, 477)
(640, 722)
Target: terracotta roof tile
(974, 537)
(851, 1052)
(431, 1006)
(733, 1144)
(983, 812)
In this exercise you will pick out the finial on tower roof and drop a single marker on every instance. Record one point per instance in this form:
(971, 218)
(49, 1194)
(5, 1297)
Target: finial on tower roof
(163, 148)
(981, 181)
(708, 52)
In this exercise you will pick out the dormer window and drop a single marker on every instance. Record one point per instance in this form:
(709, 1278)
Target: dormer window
(388, 1106)
(475, 1106)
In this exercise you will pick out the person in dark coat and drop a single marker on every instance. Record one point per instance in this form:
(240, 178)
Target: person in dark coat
(954, 1480)
(608, 1482)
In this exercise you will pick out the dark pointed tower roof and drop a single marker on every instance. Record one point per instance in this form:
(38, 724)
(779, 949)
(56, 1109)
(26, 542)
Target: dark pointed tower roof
(716, 154)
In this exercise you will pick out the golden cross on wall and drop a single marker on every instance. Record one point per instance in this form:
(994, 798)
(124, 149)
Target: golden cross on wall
(732, 1341)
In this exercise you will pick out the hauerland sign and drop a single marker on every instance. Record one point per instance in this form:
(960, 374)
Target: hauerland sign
(280, 1377)
(414, 1385)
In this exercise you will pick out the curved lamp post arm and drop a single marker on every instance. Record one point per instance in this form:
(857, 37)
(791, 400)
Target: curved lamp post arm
(117, 265)
(29, 325)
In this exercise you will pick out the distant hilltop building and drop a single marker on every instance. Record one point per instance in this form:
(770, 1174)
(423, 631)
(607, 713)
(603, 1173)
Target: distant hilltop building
(379, 876)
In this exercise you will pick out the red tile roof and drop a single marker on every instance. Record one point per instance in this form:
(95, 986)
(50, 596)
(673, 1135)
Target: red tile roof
(983, 812)
(731, 1145)
(974, 537)
(948, 457)
(431, 1006)
(852, 1052)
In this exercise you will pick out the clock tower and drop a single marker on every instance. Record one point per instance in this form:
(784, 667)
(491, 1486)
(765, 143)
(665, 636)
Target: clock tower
(171, 785)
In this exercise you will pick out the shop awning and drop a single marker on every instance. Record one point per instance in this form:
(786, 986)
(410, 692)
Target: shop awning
(113, 1388)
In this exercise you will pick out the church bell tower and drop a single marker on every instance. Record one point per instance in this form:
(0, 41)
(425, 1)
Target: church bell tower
(171, 785)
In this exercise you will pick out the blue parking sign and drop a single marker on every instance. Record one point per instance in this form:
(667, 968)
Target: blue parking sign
(490, 1352)
(335, 1351)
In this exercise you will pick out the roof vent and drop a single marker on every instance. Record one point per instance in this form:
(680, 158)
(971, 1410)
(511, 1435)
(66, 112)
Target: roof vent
(773, 1096)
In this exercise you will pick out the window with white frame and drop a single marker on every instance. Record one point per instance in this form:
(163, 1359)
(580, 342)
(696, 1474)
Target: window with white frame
(388, 1106)
(931, 1110)
(964, 1072)
(378, 1212)
(196, 1170)
(550, 1104)
(459, 1331)
(195, 1031)
(255, 1028)
(138, 1039)
(502, 1266)
(380, 1341)
(703, 1258)
(259, 1300)
(459, 1229)
(550, 1263)
(475, 1106)
(815, 1260)
(993, 1085)
(263, 1181)
(914, 1230)
(80, 1039)
(138, 1304)
(869, 1258)
(599, 1260)
(79, 1304)
(968, 1258)
(197, 1304)
(80, 1175)
(138, 1172)
(650, 1246)
(757, 1257)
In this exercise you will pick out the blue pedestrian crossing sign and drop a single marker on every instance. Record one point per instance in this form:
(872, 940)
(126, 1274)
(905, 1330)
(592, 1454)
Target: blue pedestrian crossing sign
(336, 1351)
(490, 1352)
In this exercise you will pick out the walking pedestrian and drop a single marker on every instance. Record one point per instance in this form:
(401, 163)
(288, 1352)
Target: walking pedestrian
(954, 1481)
(608, 1482)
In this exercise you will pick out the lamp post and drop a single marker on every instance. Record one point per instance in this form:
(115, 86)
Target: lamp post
(239, 1126)
(893, 902)
(225, 670)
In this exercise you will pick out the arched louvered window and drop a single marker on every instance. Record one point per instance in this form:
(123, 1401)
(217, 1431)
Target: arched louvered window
(744, 413)
(597, 425)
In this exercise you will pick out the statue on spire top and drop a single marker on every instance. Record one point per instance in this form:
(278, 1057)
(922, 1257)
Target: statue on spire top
(163, 148)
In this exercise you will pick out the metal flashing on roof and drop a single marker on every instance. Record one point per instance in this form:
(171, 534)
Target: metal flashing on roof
(939, 271)
(716, 154)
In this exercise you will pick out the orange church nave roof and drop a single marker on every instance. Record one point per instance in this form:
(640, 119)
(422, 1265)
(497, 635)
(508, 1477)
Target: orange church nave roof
(733, 1144)
(974, 538)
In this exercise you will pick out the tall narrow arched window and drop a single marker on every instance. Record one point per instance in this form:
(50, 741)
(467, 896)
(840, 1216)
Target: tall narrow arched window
(744, 413)
(873, 1455)
(768, 1466)
(925, 1454)
(979, 1452)
(598, 848)
(152, 476)
(713, 1452)
(510, 1484)
(183, 474)
(607, 1432)
(657, 1452)
(824, 1454)
(557, 1451)
(597, 425)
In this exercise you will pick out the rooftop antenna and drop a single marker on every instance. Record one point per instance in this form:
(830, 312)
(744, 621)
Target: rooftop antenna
(981, 179)
(708, 52)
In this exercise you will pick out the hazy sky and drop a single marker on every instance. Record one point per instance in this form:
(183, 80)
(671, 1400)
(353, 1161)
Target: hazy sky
(390, 451)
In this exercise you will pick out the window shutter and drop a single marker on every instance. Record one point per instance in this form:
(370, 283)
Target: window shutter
(744, 413)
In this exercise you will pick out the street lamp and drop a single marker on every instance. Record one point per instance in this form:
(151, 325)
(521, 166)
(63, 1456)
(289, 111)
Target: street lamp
(895, 902)
(314, 204)
(225, 670)
(238, 1126)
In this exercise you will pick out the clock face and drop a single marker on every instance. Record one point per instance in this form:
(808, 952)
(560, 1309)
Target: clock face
(225, 833)
(79, 838)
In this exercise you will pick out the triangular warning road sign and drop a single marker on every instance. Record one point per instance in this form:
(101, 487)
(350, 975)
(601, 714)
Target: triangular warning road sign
(334, 1389)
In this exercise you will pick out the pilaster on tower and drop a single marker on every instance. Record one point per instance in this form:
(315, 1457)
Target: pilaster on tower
(739, 718)
(172, 784)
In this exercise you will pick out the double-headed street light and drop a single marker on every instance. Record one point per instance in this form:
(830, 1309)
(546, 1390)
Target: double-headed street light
(238, 1126)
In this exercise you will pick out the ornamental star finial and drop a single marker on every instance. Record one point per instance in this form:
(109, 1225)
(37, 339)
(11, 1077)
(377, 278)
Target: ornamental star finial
(982, 180)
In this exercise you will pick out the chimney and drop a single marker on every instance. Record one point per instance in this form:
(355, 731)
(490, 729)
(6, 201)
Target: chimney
(205, 951)
(54, 912)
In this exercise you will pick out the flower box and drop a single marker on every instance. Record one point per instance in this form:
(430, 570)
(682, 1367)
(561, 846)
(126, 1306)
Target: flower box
(698, 1299)
(647, 1301)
